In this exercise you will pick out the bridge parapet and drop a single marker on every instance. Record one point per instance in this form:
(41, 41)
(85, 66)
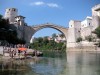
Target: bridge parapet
(49, 24)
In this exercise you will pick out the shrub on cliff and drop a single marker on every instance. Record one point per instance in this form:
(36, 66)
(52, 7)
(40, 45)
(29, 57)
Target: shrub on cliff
(79, 39)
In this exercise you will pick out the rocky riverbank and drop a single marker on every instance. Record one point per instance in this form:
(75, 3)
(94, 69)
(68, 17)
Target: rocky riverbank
(5, 53)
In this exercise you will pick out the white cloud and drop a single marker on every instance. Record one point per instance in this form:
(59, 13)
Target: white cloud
(40, 3)
(37, 3)
(52, 5)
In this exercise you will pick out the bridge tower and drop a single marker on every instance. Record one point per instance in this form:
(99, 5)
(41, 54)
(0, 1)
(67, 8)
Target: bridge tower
(10, 14)
(74, 32)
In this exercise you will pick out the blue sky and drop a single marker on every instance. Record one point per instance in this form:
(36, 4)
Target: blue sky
(58, 12)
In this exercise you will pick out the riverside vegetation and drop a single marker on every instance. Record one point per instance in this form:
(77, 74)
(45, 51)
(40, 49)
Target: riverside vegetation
(45, 44)
(97, 32)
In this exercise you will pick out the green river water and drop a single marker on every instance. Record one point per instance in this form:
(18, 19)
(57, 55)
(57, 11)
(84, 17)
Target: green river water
(54, 63)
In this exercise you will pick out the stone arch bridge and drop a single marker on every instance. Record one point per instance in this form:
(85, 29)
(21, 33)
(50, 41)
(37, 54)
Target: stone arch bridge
(29, 31)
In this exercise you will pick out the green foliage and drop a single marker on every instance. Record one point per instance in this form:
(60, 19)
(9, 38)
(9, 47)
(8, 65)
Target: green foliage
(89, 38)
(54, 36)
(62, 35)
(98, 43)
(97, 32)
(45, 44)
(79, 39)
(0, 17)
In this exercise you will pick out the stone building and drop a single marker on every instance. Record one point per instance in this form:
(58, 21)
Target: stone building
(86, 27)
(83, 28)
(59, 39)
(10, 14)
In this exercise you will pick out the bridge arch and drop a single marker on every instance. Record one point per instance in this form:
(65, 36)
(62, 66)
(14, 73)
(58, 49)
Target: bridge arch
(49, 25)
(34, 29)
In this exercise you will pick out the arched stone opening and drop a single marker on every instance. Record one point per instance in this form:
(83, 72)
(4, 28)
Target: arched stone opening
(49, 27)
(34, 29)
(59, 40)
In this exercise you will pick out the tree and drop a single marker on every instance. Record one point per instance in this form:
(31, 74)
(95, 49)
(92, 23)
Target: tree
(54, 36)
(89, 38)
(0, 17)
(40, 39)
(62, 35)
(46, 44)
(79, 39)
(97, 32)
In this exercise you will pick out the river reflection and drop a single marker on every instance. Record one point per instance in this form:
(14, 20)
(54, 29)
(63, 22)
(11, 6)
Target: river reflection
(83, 63)
(74, 63)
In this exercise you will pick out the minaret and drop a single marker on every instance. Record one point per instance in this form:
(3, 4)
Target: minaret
(10, 14)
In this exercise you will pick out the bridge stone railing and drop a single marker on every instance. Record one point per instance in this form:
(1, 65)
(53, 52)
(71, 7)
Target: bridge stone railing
(48, 24)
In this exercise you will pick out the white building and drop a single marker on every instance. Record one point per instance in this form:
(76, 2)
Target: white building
(19, 20)
(86, 27)
(59, 38)
(87, 22)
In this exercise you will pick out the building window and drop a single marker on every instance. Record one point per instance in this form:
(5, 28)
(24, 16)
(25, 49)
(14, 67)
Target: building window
(78, 31)
(89, 23)
(18, 20)
(14, 10)
(71, 25)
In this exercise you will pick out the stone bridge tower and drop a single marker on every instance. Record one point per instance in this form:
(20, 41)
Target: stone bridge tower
(10, 14)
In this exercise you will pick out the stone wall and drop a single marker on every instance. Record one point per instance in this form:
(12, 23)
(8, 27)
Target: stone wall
(73, 33)
(86, 32)
(84, 46)
(28, 33)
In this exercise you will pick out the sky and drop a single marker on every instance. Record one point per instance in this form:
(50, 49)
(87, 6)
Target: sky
(58, 12)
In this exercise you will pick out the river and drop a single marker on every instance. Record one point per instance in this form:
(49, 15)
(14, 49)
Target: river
(72, 63)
